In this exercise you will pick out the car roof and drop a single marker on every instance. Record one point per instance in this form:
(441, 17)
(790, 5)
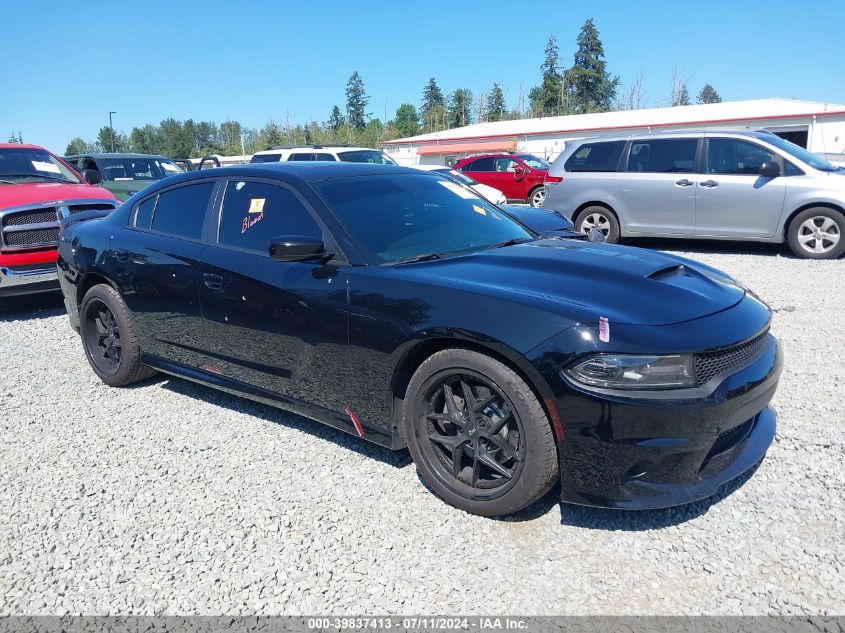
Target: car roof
(316, 148)
(760, 133)
(20, 146)
(116, 155)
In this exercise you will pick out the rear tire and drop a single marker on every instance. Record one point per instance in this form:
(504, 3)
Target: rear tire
(488, 449)
(817, 233)
(600, 217)
(109, 339)
(536, 196)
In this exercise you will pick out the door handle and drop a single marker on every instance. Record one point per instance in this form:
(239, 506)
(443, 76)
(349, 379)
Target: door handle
(212, 281)
(709, 183)
(684, 182)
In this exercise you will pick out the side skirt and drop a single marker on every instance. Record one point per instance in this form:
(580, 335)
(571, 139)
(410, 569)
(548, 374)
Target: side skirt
(335, 419)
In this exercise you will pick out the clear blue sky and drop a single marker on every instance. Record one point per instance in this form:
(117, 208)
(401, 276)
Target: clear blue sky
(66, 64)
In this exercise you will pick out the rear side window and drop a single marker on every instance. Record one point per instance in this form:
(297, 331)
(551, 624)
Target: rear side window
(665, 156)
(181, 211)
(481, 164)
(602, 156)
(734, 157)
(144, 212)
(256, 212)
(310, 156)
(266, 158)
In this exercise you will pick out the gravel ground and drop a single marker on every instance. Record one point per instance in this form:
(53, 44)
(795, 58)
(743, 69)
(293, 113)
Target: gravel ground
(172, 498)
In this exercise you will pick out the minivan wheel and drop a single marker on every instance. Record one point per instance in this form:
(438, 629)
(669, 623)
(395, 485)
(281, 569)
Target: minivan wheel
(536, 197)
(478, 435)
(817, 233)
(109, 339)
(599, 218)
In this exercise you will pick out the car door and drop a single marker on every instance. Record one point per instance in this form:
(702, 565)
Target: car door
(732, 198)
(156, 265)
(279, 326)
(656, 186)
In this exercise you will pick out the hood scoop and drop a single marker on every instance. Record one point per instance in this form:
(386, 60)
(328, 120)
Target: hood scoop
(662, 274)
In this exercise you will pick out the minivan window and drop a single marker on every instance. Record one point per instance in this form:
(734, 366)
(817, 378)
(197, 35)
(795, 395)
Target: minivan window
(302, 156)
(256, 212)
(666, 156)
(730, 156)
(181, 211)
(601, 156)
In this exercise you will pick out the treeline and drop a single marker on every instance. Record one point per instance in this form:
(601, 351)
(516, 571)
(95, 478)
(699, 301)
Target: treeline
(585, 86)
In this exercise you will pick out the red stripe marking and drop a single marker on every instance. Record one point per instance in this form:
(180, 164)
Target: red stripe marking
(358, 426)
(557, 427)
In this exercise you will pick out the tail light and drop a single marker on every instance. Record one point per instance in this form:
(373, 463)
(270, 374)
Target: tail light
(553, 178)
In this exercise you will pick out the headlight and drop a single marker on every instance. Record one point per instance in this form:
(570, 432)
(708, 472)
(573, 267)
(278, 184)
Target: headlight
(624, 371)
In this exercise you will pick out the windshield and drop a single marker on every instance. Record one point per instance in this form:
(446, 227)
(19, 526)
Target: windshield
(366, 156)
(456, 175)
(146, 168)
(33, 165)
(532, 161)
(406, 216)
(813, 160)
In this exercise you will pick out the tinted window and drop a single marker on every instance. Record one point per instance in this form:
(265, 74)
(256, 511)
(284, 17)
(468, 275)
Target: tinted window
(791, 170)
(596, 157)
(182, 211)
(663, 156)
(365, 156)
(255, 212)
(481, 164)
(398, 217)
(137, 168)
(732, 156)
(311, 156)
(144, 212)
(266, 158)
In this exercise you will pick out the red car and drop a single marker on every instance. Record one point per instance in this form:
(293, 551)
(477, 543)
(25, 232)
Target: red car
(37, 189)
(518, 176)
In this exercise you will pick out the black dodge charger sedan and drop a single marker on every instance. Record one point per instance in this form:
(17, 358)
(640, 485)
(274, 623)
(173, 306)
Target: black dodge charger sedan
(398, 306)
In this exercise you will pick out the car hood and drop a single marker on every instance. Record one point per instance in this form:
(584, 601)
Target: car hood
(590, 280)
(48, 192)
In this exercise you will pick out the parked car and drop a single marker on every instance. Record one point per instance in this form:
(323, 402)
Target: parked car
(386, 303)
(519, 176)
(342, 153)
(493, 195)
(125, 174)
(714, 184)
(36, 188)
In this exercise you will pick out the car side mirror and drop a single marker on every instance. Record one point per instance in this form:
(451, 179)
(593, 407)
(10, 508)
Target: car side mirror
(92, 176)
(770, 169)
(296, 248)
(518, 172)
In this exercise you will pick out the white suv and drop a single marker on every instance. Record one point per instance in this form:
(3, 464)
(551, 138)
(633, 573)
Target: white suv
(342, 153)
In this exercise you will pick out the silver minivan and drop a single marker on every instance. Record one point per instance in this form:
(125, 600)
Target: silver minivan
(708, 184)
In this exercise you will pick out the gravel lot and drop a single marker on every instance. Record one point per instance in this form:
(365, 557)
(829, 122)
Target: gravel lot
(172, 498)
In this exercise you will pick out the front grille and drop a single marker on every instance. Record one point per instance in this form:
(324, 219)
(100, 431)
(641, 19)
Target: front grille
(709, 364)
(45, 215)
(32, 237)
(730, 438)
(79, 208)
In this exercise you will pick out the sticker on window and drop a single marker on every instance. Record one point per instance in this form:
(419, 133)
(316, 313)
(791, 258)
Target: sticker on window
(478, 209)
(46, 166)
(256, 205)
(466, 194)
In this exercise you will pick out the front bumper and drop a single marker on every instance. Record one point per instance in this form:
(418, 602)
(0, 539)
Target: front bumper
(640, 452)
(28, 279)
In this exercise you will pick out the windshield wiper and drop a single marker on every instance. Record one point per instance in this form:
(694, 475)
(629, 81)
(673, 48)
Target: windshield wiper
(512, 242)
(417, 258)
(59, 178)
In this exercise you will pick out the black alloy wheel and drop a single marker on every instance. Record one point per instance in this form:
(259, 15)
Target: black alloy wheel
(102, 338)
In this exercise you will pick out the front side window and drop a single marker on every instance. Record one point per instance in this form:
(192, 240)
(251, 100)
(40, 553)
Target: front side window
(506, 164)
(667, 156)
(394, 218)
(730, 156)
(602, 156)
(181, 211)
(19, 165)
(366, 156)
(256, 212)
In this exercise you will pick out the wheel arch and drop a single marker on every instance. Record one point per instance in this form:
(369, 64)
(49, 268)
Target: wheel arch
(596, 203)
(88, 281)
(417, 353)
(810, 205)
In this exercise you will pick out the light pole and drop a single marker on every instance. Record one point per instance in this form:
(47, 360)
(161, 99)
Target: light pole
(111, 128)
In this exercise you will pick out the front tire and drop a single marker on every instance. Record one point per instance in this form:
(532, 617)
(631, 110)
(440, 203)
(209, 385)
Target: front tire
(478, 435)
(596, 217)
(817, 234)
(109, 339)
(537, 196)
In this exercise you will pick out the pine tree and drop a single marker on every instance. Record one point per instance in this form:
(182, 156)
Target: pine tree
(592, 88)
(459, 112)
(545, 99)
(356, 101)
(433, 110)
(407, 120)
(708, 94)
(496, 108)
(682, 96)
(335, 119)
